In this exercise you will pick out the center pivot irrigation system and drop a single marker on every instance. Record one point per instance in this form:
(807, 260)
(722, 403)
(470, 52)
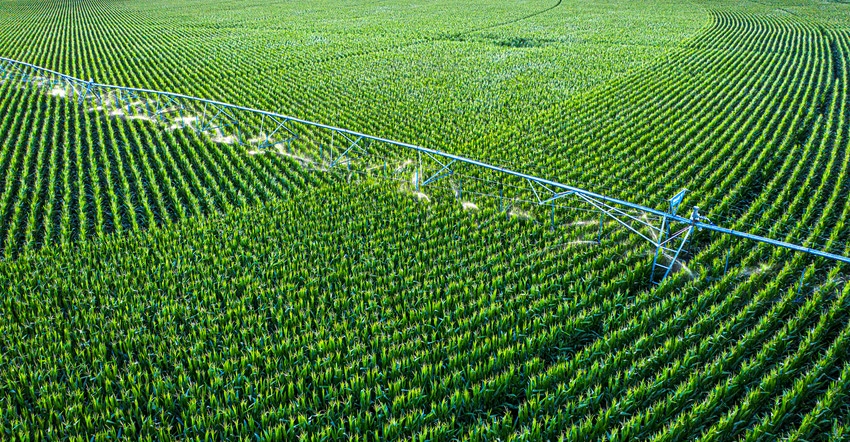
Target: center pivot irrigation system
(326, 147)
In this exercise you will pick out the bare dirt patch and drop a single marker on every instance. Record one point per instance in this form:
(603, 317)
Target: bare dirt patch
(517, 213)
(58, 92)
(229, 139)
(750, 271)
(583, 243)
(138, 118)
(301, 159)
(181, 122)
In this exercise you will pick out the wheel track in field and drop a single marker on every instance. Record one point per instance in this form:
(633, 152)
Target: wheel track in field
(509, 22)
(428, 40)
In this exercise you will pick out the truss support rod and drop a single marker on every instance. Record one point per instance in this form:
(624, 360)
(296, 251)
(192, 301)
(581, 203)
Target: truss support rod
(533, 190)
(659, 249)
(638, 220)
(655, 265)
(678, 251)
(440, 174)
(557, 196)
(546, 188)
(599, 233)
(501, 198)
(85, 94)
(672, 237)
(614, 217)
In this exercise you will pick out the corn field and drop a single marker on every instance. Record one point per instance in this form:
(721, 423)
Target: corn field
(160, 283)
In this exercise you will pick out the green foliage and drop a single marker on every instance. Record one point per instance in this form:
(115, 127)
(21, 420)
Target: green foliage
(158, 284)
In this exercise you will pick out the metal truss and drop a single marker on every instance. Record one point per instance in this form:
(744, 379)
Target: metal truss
(327, 148)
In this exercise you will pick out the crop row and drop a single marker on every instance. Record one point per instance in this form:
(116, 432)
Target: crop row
(70, 174)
